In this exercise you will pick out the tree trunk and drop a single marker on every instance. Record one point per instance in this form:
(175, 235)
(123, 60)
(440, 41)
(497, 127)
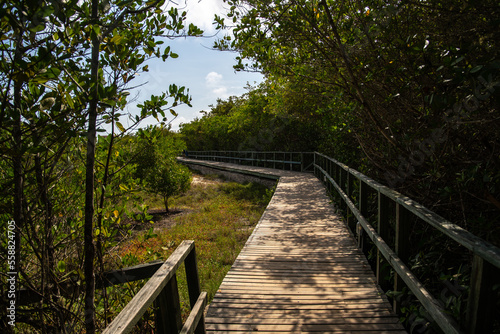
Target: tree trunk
(89, 249)
(100, 258)
(165, 199)
(17, 161)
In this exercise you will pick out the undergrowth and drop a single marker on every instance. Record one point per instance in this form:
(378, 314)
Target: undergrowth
(218, 215)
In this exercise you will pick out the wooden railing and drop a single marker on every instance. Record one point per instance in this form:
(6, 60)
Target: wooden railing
(162, 290)
(486, 257)
(74, 285)
(294, 161)
(352, 186)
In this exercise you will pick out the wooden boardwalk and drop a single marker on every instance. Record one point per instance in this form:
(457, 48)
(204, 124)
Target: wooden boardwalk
(300, 271)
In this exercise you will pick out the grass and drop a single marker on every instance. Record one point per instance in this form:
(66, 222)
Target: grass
(218, 215)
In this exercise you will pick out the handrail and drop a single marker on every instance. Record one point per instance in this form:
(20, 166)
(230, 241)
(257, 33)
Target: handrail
(447, 323)
(74, 284)
(486, 250)
(486, 257)
(272, 159)
(161, 289)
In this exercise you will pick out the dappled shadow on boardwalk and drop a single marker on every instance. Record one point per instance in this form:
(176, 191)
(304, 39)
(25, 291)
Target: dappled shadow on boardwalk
(300, 271)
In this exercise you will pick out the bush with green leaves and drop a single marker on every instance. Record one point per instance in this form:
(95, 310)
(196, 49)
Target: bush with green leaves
(156, 164)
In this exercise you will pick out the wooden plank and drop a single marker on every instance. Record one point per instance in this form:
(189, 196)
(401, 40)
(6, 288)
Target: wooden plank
(310, 320)
(196, 319)
(402, 249)
(72, 286)
(383, 269)
(482, 297)
(194, 290)
(297, 313)
(298, 267)
(298, 279)
(305, 328)
(223, 296)
(168, 309)
(312, 304)
(323, 332)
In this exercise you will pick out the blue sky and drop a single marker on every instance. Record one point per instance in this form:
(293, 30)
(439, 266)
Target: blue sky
(207, 73)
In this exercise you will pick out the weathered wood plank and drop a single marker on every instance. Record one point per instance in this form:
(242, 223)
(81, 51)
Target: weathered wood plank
(305, 328)
(295, 314)
(222, 296)
(168, 309)
(311, 320)
(196, 316)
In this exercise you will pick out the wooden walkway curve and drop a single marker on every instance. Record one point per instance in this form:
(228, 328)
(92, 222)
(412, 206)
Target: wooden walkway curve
(300, 271)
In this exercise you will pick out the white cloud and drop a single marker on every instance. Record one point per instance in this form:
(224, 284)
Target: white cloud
(201, 13)
(178, 121)
(213, 79)
(221, 92)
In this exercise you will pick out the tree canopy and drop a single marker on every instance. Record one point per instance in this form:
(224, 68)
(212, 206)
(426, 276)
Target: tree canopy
(412, 88)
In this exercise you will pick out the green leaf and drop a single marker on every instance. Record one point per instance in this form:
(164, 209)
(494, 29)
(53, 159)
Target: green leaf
(121, 127)
(476, 69)
(37, 28)
(61, 266)
(117, 39)
(69, 100)
(458, 60)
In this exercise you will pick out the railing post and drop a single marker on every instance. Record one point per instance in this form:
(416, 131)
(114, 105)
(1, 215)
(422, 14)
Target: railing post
(193, 282)
(343, 185)
(315, 172)
(482, 300)
(402, 247)
(383, 270)
(363, 209)
(350, 187)
(330, 170)
(168, 309)
(340, 182)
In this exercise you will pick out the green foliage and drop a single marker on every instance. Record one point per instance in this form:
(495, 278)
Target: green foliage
(405, 92)
(157, 166)
(254, 121)
(49, 78)
(219, 217)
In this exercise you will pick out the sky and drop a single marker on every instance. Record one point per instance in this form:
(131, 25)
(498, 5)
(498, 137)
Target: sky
(207, 73)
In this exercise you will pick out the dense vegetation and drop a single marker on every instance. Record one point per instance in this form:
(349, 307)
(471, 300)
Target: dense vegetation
(217, 214)
(67, 71)
(405, 91)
